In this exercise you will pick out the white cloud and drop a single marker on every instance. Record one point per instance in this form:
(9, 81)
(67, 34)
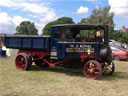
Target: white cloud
(48, 17)
(31, 6)
(119, 7)
(18, 19)
(8, 24)
(39, 26)
(34, 8)
(82, 10)
(7, 3)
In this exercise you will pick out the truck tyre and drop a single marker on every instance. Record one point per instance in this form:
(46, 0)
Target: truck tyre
(92, 69)
(23, 62)
(108, 69)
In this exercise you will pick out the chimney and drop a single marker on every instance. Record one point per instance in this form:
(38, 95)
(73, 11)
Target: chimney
(123, 29)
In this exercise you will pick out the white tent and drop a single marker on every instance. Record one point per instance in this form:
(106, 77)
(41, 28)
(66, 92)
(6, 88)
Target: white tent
(10, 52)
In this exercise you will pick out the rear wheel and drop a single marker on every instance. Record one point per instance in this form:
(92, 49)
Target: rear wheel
(92, 69)
(23, 62)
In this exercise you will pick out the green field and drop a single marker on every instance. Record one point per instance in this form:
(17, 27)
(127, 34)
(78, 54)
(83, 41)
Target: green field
(56, 81)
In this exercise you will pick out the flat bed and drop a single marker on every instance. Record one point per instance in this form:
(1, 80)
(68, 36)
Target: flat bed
(27, 42)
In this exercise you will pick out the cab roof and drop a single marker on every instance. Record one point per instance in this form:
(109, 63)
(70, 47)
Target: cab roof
(88, 26)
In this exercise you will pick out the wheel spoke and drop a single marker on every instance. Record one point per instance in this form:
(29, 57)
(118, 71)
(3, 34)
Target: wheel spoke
(90, 75)
(93, 69)
(96, 73)
(108, 68)
(23, 65)
(88, 70)
(20, 62)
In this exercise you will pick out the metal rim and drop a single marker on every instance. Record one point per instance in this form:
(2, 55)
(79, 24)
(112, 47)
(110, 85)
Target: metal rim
(91, 70)
(108, 69)
(21, 62)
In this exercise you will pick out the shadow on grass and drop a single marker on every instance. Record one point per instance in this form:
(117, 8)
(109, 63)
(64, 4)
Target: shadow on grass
(71, 72)
(74, 72)
(116, 76)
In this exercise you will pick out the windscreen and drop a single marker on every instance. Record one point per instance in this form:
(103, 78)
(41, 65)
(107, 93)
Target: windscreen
(68, 34)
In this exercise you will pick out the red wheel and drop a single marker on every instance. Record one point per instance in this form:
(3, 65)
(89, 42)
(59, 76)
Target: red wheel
(92, 69)
(23, 61)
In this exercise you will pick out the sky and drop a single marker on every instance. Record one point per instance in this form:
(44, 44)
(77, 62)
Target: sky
(13, 12)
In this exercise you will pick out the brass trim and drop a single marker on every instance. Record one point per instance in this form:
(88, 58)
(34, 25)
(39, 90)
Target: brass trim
(53, 57)
(82, 42)
(54, 53)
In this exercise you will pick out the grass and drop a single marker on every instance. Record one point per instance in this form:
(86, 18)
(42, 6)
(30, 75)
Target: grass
(56, 81)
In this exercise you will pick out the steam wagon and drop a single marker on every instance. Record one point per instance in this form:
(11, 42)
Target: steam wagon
(77, 46)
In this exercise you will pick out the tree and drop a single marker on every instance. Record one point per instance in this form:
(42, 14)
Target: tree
(100, 16)
(125, 37)
(121, 36)
(26, 28)
(61, 20)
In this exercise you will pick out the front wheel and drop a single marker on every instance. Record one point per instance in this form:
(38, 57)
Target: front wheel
(108, 69)
(92, 69)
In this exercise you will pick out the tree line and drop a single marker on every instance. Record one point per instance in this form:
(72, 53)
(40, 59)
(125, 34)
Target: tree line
(98, 16)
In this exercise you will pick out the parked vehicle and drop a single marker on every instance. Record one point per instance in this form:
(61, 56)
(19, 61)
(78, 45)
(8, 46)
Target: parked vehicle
(119, 53)
(113, 43)
(70, 45)
(119, 50)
